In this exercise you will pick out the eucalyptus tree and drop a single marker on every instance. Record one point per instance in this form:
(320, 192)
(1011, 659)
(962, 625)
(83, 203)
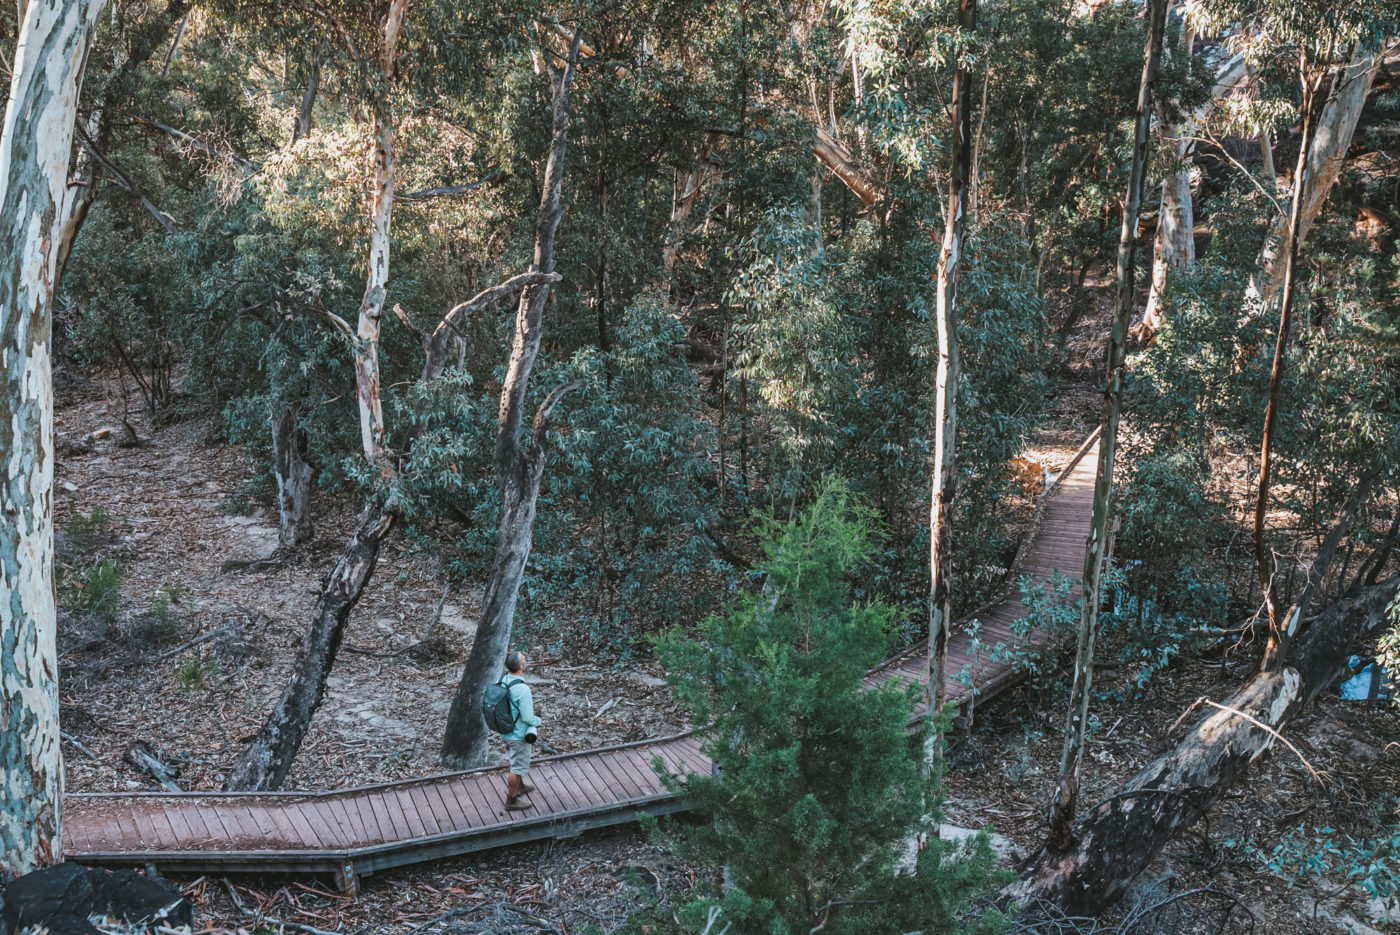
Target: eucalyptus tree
(35, 146)
(519, 470)
(1061, 812)
(944, 482)
(1337, 50)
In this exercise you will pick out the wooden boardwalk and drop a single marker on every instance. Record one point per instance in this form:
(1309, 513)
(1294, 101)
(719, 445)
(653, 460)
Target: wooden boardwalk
(351, 832)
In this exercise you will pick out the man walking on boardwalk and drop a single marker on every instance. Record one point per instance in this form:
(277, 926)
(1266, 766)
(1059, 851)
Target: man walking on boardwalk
(519, 742)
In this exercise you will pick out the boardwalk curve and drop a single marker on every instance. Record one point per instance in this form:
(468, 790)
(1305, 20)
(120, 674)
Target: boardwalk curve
(355, 831)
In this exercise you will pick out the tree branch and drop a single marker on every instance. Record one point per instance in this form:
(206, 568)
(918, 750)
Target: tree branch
(122, 179)
(429, 194)
(190, 141)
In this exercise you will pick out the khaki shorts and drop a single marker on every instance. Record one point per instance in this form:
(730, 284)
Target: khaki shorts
(519, 753)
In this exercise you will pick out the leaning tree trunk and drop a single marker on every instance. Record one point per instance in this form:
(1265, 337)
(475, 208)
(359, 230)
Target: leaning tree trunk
(267, 760)
(1277, 644)
(1119, 837)
(35, 145)
(293, 480)
(517, 472)
(944, 481)
(1062, 808)
(1327, 150)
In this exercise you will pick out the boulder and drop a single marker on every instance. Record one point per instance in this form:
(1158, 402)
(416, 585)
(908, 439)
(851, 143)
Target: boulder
(61, 899)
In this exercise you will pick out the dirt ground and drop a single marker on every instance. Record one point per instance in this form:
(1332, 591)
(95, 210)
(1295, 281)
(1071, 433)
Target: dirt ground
(137, 679)
(143, 678)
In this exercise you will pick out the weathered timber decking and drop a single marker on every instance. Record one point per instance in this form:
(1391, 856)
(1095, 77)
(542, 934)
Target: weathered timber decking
(350, 832)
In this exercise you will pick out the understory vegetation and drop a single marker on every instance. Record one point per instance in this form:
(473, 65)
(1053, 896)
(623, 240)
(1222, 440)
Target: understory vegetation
(745, 340)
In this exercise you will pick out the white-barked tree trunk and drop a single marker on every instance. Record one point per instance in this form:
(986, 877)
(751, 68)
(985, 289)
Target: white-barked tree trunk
(35, 148)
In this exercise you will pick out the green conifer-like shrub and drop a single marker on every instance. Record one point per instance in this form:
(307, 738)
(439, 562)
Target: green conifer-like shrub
(817, 787)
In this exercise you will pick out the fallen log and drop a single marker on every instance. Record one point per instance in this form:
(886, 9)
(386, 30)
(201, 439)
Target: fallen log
(140, 755)
(267, 760)
(1115, 840)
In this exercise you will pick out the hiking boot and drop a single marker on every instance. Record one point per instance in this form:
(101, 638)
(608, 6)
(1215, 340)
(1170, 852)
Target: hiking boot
(515, 787)
(526, 788)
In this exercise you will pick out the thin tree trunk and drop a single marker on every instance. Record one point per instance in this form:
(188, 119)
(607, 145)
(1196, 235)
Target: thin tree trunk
(35, 148)
(308, 103)
(367, 388)
(944, 480)
(974, 192)
(293, 480)
(267, 760)
(684, 203)
(1266, 145)
(517, 472)
(1061, 813)
(1175, 245)
(1277, 645)
(1119, 837)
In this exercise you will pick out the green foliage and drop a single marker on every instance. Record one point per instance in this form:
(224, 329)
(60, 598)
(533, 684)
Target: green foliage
(195, 672)
(1368, 860)
(1388, 647)
(81, 533)
(164, 610)
(630, 478)
(96, 589)
(1050, 611)
(817, 785)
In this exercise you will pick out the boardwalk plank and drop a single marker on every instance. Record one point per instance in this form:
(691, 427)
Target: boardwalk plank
(423, 808)
(317, 815)
(346, 819)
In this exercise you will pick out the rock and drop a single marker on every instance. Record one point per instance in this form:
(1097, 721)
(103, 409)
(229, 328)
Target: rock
(59, 899)
(49, 892)
(133, 897)
(1001, 845)
(647, 681)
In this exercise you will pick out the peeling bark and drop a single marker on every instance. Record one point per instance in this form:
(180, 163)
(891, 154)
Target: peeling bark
(1121, 835)
(1175, 245)
(267, 760)
(943, 485)
(366, 340)
(1327, 150)
(35, 148)
(837, 157)
(518, 472)
(293, 481)
(1062, 808)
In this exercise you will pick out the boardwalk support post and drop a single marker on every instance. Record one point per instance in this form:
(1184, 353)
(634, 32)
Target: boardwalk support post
(345, 879)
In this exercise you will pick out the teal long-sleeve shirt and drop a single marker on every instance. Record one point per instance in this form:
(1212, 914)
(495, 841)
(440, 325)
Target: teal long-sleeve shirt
(524, 702)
